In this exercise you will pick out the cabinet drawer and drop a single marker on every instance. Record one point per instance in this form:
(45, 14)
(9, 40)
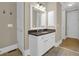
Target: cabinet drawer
(44, 37)
(52, 34)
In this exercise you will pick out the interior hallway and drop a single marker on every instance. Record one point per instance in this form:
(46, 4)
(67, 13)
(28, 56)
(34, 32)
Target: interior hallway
(69, 47)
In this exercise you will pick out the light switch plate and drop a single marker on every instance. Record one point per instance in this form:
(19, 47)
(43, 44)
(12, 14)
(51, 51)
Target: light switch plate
(10, 25)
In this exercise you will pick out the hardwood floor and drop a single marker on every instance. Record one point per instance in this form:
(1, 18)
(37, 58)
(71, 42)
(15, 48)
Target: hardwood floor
(71, 43)
(69, 47)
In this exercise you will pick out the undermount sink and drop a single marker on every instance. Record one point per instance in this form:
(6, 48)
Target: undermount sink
(44, 32)
(40, 32)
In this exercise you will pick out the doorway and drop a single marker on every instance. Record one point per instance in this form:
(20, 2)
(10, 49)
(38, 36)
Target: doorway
(72, 21)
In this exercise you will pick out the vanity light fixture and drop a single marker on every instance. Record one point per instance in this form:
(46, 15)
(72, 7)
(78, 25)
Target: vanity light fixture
(39, 5)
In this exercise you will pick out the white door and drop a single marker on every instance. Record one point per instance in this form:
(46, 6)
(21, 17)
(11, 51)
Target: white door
(20, 26)
(73, 24)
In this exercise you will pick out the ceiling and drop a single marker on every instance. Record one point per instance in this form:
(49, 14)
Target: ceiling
(75, 5)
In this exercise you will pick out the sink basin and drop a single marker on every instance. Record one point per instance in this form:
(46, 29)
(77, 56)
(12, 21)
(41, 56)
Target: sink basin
(44, 32)
(40, 32)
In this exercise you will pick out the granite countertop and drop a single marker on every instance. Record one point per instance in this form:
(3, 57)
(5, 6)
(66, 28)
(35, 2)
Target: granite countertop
(41, 32)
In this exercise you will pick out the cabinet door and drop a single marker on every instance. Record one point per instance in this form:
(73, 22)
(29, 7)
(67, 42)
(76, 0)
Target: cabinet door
(41, 48)
(49, 42)
(41, 45)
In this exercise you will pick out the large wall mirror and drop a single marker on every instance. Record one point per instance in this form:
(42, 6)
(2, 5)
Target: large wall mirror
(38, 18)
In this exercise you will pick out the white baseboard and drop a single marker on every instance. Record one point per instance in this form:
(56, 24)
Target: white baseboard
(64, 38)
(27, 52)
(73, 37)
(8, 48)
(58, 43)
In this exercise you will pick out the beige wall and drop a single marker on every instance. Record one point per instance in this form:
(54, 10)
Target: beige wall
(56, 7)
(58, 23)
(27, 24)
(8, 36)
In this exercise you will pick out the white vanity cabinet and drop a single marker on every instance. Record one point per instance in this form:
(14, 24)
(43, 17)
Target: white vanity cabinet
(39, 45)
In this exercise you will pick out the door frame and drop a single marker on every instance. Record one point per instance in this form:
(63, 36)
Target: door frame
(20, 26)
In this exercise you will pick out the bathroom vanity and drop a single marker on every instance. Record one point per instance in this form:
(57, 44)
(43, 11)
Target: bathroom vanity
(40, 38)
(40, 41)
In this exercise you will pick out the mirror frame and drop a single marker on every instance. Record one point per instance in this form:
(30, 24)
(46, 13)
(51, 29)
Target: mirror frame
(31, 18)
